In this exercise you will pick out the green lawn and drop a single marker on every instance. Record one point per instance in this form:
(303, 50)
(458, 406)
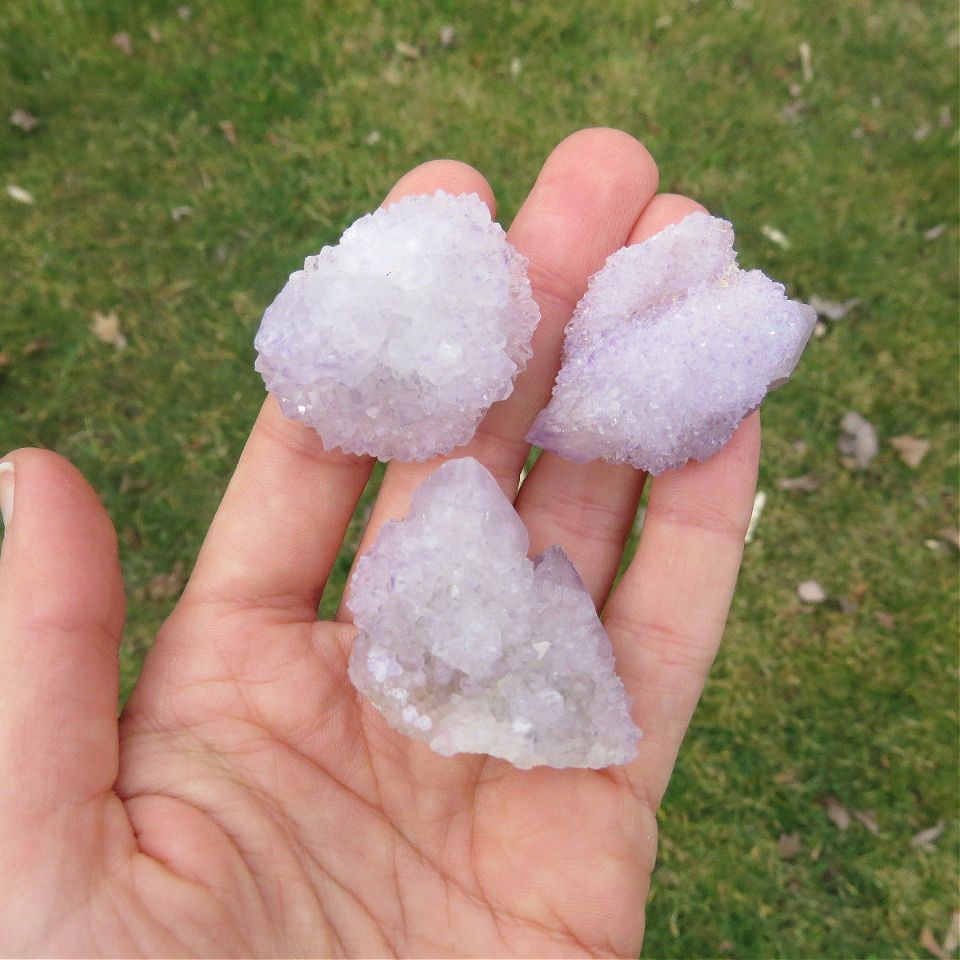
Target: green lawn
(854, 162)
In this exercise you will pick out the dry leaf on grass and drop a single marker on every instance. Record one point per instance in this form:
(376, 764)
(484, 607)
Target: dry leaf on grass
(791, 111)
(407, 50)
(833, 310)
(4, 359)
(165, 585)
(759, 502)
(35, 346)
(808, 483)
(934, 233)
(776, 236)
(391, 75)
(886, 620)
(869, 819)
(789, 845)
(912, 450)
(858, 440)
(106, 328)
(859, 590)
(806, 62)
(952, 940)
(448, 34)
(838, 813)
(19, 194)
(131, 539)
(929, 942)
(951, 536)
(925, 839)
(123, 43)
(811, 592)
(229, 131)
(786, 777)
(162, 586)
(24, 120)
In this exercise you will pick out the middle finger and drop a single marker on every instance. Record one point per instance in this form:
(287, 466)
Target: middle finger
(581, 209)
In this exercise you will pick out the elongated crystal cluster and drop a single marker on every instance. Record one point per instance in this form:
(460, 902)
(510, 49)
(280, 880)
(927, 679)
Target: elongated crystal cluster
(397, 340)
(468, 645)
(670, 348)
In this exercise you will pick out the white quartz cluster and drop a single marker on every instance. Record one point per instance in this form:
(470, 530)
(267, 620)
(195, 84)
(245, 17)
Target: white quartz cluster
(397, 340)
(670, 348)
(468, 645)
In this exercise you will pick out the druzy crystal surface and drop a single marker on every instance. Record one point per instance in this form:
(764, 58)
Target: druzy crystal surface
(670, 348)
(397, 340)
(466, 644)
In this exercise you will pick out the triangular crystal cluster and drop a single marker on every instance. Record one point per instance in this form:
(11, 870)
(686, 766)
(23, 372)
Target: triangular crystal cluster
(470, 646)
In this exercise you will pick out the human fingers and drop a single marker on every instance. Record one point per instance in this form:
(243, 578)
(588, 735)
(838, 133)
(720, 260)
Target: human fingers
(667, 614)
(61, 616)
(581, 208)
(283, 517)
(589, 508)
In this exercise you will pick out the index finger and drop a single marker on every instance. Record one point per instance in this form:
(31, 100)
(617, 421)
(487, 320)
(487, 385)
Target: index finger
(283, 517)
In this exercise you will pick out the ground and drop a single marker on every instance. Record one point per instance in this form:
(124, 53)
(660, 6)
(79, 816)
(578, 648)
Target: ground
(185, 160)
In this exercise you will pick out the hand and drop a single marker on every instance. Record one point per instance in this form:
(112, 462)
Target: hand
(248, 802)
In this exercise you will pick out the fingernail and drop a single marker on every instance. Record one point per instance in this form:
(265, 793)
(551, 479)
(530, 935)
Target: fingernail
(6, 491)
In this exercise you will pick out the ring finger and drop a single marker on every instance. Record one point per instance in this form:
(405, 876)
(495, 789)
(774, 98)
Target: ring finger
(589, 508)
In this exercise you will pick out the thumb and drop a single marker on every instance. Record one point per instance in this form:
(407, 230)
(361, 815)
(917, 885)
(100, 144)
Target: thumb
(61, 614)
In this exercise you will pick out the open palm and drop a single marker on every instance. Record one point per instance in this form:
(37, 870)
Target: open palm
(248, 802)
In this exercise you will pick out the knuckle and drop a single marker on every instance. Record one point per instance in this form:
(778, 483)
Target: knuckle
(582, 516)
(705, 516)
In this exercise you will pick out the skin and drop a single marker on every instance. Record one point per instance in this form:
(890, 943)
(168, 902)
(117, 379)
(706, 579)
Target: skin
(248, 802)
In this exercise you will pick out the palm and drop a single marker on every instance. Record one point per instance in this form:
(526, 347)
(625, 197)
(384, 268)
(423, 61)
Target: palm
(252, 803)
(432, 854)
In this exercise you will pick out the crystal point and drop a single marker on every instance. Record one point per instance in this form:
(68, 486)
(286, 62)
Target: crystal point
(669, 349)
(466, 644)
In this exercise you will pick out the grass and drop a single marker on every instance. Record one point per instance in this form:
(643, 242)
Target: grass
(805, 703)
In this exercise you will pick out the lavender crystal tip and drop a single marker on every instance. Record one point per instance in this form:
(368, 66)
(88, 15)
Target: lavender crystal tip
(396, 341)
(466, 644)
(670, 348)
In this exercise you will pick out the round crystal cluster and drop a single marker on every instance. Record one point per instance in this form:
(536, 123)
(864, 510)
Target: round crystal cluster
(397, 340)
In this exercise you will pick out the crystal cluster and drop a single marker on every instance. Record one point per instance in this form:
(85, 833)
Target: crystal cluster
(468, 645)
(670, 348)
(397, 340)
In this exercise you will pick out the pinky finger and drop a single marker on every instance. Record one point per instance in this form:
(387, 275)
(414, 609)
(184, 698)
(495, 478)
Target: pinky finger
(667, 616)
